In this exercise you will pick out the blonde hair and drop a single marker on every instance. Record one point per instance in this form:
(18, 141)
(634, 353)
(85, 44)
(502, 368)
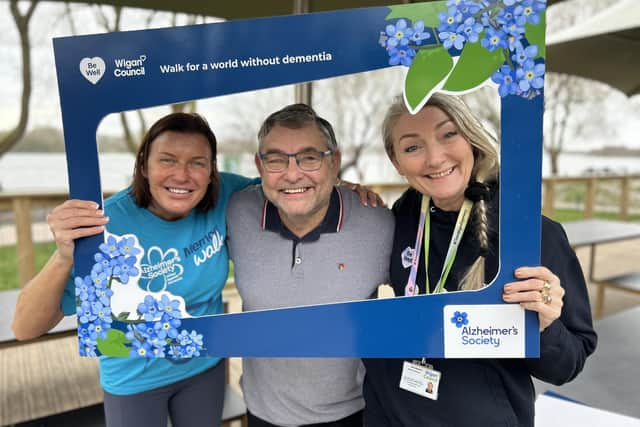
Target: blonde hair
(485, 167)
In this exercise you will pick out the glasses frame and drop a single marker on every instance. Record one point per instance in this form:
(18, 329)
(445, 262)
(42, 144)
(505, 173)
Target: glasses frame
(323, 154)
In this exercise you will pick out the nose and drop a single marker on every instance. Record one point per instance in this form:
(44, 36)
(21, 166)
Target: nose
(293, 172)
(181, 172)
(434, 155)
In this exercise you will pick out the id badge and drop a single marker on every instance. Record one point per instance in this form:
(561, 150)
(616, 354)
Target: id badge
(420, 379)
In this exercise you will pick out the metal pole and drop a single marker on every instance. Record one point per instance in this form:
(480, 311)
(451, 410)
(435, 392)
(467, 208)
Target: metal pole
(302, 91)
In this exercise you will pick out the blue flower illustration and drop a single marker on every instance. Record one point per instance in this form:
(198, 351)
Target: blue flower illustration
(505, 78)
(127, 247)
(452, 38)
(529, 11)
(148, 308)
(450, 20)
(154, 332)
(168, 307)
(494, 39)
(419, 35)
(496, 24)
(524, 53)
(83, 287)
(530, 76)
(398, 34)
(460, 319)
(125, 269)
(167, 327)
(470, 29)
(401, 55)
(141, 349)
(110, 248)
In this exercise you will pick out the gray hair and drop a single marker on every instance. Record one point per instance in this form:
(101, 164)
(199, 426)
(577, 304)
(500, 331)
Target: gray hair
(296, 116)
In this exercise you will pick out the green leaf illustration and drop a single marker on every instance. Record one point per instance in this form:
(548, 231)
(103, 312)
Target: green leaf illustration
(123, 316)
(114, 345)
(535, 35)
(419, 12)
(428, 69)
(475, 65)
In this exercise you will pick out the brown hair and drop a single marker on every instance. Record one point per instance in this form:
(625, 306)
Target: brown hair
(183, 123)
(485, 166)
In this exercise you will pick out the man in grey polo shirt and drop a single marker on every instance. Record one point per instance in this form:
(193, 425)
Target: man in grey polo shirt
(299, 240)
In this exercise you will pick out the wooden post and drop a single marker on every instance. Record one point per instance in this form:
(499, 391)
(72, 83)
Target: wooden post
(549, 197)
(24, 241)
(625, 197)
(589, 198)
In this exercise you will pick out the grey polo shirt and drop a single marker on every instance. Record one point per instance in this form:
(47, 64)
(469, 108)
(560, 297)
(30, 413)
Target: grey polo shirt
(344, 259)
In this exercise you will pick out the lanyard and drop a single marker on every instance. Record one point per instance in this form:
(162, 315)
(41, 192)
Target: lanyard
(424, 228)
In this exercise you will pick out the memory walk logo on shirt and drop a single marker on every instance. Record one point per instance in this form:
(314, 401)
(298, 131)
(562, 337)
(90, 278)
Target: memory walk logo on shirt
(205, 247)
(494, 330)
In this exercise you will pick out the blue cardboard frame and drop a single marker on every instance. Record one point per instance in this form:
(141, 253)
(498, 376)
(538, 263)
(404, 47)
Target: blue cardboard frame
(95, 80)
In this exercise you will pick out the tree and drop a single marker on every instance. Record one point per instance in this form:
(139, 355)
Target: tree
(22, 23)
(565, 95)
(113, 24)
(355, 105)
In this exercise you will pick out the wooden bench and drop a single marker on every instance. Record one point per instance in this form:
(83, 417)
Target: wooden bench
(628, 282)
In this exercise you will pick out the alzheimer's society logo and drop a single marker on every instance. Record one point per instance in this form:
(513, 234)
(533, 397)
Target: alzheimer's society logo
(92, 68)
(485, 330)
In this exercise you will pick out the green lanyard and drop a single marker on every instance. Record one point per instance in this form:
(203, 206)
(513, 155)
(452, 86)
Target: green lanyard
(456, 238)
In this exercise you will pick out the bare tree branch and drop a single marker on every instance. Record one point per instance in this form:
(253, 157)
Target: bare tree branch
(22, 23)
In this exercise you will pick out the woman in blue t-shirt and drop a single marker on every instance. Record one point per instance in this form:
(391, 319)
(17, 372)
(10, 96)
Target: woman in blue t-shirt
(175, 209)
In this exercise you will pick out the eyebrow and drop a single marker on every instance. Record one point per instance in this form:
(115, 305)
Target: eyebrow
(414, 134)
(304, 150)
(166, 153)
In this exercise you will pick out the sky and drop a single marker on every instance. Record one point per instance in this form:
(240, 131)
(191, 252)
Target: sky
(50, 20)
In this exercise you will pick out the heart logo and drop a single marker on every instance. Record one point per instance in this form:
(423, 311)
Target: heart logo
(92, 68)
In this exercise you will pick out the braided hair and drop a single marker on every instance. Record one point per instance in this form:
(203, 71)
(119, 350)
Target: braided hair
(485, 168)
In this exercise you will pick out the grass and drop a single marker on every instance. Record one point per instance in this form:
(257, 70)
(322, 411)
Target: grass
(9, 263)
(566, 215)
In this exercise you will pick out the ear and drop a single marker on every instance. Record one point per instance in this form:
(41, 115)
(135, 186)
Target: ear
(337, 160)
(256, 158)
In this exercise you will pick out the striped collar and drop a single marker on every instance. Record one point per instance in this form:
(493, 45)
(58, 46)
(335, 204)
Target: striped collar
(332, 222)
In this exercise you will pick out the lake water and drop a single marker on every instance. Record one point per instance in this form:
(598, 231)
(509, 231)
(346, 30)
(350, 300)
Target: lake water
(48, 171)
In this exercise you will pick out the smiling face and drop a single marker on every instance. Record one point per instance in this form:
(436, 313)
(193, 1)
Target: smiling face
(178, 170)
(432, 154)
(302, 197)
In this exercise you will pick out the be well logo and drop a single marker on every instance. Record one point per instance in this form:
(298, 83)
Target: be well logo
(495, 330)
(92, 68)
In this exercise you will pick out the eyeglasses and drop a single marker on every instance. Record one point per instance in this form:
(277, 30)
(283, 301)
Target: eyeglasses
(308, 160)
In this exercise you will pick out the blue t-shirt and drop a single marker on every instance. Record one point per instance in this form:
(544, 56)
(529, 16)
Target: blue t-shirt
(187, 257)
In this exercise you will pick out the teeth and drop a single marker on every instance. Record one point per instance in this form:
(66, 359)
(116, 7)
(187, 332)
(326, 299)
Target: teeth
(294, 190)
(178, 190)
(441, 174)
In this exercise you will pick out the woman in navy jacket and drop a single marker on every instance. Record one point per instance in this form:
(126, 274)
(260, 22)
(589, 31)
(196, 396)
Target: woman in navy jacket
(450, 163)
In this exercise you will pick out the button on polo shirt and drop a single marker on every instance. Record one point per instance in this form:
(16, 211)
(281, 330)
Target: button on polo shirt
(331, 223)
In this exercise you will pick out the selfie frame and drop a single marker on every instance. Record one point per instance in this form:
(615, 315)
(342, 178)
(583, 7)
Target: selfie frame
(108, 73)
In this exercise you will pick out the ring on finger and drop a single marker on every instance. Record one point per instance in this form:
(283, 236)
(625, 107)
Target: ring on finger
(544, 294)
(546, 286)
